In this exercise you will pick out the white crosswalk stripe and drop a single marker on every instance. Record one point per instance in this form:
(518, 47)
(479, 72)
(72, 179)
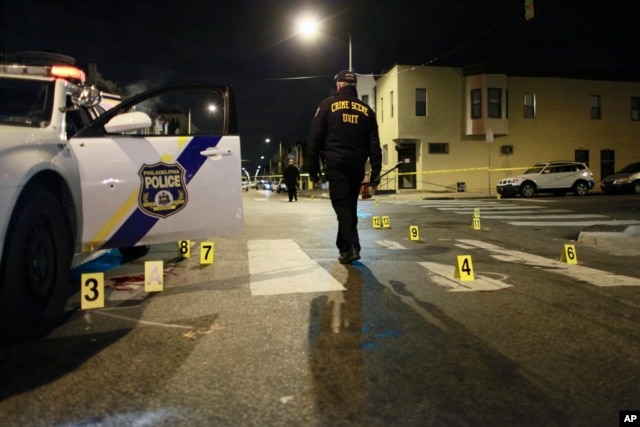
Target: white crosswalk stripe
(293, 272)
(578, 272)
(442, 275)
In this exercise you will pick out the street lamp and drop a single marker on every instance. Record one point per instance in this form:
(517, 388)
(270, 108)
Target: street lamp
(268, 140)
(308, 27)
(247, 174)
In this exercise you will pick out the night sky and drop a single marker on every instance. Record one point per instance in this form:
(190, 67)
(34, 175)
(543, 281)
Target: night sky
(279, 78)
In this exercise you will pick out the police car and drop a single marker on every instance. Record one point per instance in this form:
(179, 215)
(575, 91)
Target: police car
(75, 179)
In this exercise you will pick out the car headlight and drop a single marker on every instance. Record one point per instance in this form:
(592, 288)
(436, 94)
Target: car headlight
(621, 181)
(511, 181)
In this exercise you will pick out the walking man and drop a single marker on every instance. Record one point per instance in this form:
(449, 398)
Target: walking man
(344, 131)
(291, 177)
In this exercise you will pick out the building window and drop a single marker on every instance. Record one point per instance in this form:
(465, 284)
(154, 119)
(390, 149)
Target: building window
(476, 104)
(495, 103)
(421, 102)
(438, 148)
(529, 105)
(506, 103)
(595, 107)
(391, 95)
(381, 110)
(635, 108)
(365, 99)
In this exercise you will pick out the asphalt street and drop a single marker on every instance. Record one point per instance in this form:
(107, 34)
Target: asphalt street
(276, 332)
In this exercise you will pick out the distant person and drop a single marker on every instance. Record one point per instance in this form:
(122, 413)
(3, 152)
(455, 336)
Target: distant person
(173, 126)
(291, 177)
(344, 130)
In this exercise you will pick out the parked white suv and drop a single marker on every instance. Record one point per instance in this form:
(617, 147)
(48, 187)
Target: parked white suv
(557, 177)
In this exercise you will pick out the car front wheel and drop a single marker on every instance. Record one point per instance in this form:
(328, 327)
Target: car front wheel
(635, 187)
(580, 188)
(527, 189)
(34, 277)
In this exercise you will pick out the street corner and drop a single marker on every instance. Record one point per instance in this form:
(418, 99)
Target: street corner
(621, 239)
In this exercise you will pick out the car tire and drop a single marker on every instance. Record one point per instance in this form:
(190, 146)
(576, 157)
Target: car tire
(635, 187)
(134, 251)
(580, 188)
(34, 276)
(527, 189)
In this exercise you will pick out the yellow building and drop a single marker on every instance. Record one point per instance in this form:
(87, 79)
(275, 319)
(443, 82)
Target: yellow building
(476, 125)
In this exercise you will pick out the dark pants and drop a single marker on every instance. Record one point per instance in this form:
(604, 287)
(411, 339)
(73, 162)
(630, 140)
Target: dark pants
(344, 189)
(292, 189)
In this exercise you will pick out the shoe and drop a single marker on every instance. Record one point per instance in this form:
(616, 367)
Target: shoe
(349, 256)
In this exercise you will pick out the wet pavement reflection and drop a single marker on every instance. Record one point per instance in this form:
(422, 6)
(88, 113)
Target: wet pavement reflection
(374, 362)
(337, 347)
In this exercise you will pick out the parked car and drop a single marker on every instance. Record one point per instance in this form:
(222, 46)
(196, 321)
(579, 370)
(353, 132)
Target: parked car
(625, 180)
(266, 185)
(557, 177)
(281, 187)
(245, 184)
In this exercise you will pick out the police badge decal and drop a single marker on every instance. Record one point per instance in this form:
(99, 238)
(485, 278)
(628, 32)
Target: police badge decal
(162, 189)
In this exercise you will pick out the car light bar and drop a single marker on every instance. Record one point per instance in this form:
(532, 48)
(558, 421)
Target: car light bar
(56, 71)
(68, 72)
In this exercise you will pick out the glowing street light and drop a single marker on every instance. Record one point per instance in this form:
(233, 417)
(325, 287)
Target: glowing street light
(308, 26)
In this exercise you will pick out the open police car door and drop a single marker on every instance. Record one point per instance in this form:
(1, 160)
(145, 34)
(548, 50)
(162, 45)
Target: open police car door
(161, 166)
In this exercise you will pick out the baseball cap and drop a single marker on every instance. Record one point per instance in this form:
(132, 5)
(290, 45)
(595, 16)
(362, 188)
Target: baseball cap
(346, 76)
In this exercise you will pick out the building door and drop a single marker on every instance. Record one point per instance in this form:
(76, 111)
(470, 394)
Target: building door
(582, 156)
(407, 155)
(607, 163)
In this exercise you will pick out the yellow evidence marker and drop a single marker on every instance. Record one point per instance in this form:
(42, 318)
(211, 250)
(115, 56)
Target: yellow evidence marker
(476, 219)
(376, 221)
(207, 253)
(92, 291)
(153, 276)
(569, 254)
(464, 268)
(476, 223)
(377, 202)
(184, 247)
(414, 233)
(386, 222)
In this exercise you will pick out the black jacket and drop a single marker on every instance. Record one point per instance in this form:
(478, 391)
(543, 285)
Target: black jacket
(291, 175)
(344, 131)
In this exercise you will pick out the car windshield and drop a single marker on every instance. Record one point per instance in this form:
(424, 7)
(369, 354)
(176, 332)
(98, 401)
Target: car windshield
(25, 102)
(632, 168)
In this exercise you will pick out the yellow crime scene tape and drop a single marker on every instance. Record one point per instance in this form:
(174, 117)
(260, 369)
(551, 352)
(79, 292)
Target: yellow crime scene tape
(480, 169)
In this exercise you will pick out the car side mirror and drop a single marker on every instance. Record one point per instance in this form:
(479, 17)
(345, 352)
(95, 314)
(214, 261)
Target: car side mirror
(128, 122)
